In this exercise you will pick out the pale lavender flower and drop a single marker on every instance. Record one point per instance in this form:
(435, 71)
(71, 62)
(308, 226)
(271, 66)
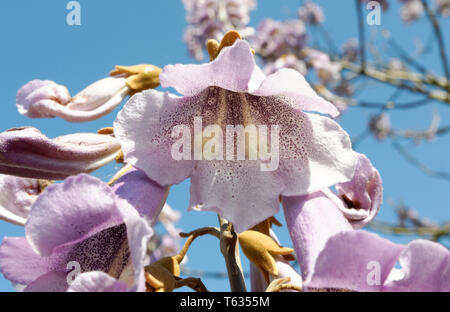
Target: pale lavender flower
(380, 126)
(315, 152)
(286, 61)
(443, 7)
(396, 64)
(411, 10)
(81, 221)
(311, 13)
(211, 19)
(350, 50)
(46, 99)
(327, 70)
(333, 256)
(274, 39)
(16, 197)
(26, 152)
(362, 196)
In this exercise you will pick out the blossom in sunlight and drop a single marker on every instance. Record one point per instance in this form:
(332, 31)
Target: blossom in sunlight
(212, 19)
(26, 152)
(17, 195)
(273, 39)
(314, 151)
(47, 99)
(311, 13)
(411, 10)
(81, 226)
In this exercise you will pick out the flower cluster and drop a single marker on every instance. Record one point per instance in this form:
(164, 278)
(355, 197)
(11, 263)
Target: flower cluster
(83, 234)
(210, 19)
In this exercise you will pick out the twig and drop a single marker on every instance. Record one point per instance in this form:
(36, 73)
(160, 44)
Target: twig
(439, 37)
(389, 228)
(416, 163)
(362, 40)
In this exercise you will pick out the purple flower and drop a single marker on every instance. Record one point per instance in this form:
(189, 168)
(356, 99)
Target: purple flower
(286, 61)
(327, 71)
(361, 261)
(46, 99)
(380, 126)
(311, 13)
(363, 195)
(443, 7)
(333, 256)
(411, 10)
(211, 19)
(16, 197)
(26, 152)
(80, 224)
(351, 50)
(315, 152)
(274, 39)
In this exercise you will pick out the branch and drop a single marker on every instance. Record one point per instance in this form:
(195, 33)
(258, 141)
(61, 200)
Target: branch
(435, 232)
(416, 163)
(439, 37)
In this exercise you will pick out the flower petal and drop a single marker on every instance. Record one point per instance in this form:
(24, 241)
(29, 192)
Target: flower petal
(234, 69)
(355, 260)
(36, 94)
(71, 212)
(20, 264)
(26, 152)
(363, 194)
(16, 197)
(425, 266)
(144, 128)
(145, 195)
(49, 282)
(292, 84)
(97, 281)
(311, 221)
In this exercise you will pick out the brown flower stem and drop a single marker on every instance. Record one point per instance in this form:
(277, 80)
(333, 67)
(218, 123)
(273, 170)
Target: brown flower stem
(230, 251)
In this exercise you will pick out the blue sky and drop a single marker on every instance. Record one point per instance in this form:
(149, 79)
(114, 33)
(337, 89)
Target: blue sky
(38, 44)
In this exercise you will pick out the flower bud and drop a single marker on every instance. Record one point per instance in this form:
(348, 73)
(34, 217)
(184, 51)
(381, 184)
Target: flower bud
(26, 152)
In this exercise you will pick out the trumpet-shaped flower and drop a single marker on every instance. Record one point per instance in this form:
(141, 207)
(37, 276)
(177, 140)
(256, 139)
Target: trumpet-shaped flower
(314, 152)
(81, 226)
(333, 256)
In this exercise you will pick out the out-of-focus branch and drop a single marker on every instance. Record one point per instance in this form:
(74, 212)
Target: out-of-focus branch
(435, 232)
(416, 163)
(439, 37)
(416, 82)
(362, 40)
